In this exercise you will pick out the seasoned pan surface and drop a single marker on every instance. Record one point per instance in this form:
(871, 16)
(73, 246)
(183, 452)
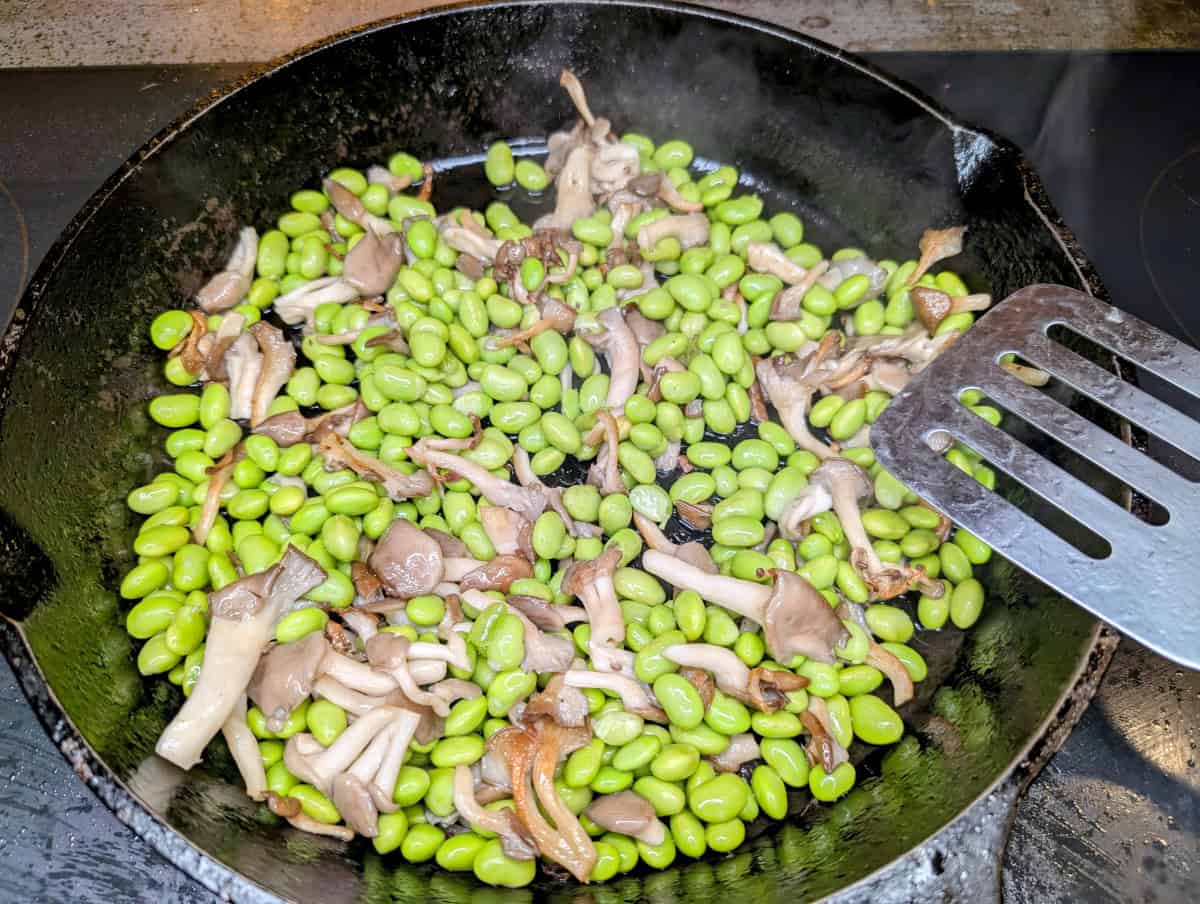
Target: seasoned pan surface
(862, 160)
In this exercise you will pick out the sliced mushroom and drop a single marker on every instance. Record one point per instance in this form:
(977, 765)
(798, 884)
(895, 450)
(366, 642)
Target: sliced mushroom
(298, 305)
(504, 823)
(319, 766)
(635, 697)
(350, 206)
(767, 257)
(390, 653)
(693, 553)
(613, 167)
(573, 193)
(243, 621)
(562, 702)
(741, 750)
(932, 306)
(230, 286)
(372, 264)
(795, 617)
(627, 813)
(791, 394)
(605, 472)
(823, 748)
(218, 475)
(891, 666)
(503, 527)
(284, 677)
(787, 304)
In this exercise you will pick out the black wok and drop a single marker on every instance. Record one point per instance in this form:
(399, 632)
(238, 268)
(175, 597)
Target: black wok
(864, 160)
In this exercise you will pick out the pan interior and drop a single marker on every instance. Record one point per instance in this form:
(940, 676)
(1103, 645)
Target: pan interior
(862, 163)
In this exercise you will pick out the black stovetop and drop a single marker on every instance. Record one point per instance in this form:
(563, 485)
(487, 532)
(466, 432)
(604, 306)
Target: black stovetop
(1116, 137)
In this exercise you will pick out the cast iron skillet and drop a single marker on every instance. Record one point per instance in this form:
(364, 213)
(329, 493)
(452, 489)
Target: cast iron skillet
(864, 160)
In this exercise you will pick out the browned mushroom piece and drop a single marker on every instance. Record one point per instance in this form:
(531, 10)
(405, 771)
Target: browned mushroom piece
(372, 264)
(351, 207)
(381, 175)
(891, 666)
(732, 675)
(644, 329)
(696, 515)
(285, 676)
(742, 749)
(452, 547)
(188, 351)
(690, 230)
(229, 287)
(627, 813)
(354, 804)
(287, 428)
(847, 484)
(243, 616)
(703, 682)
(822, 747)
(546, 616)
(768, 688)
(218, 475)
(937, 245)
(279, 361)
(610, 335)
(503, 527)
(407, 560)
(367, 586)
(613, 167)
(497, 574)
(399, 486)
(592, 583)
(932, 306)
(667, 192)
(514, 839)
(554, 316)
(795, 617)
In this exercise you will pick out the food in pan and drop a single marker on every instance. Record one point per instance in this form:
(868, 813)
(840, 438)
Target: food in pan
(562, 543)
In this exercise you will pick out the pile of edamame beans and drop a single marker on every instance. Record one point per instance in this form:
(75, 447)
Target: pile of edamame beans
(716, 313)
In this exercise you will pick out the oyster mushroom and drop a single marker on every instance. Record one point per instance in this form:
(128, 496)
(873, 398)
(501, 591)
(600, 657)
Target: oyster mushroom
(937, 245)
(298, 305)
(932, 306)
(407, 560)
(605, 472)
(243, 622)
(289, 808)
(846, 484)
(231, 285)
(842, 269)
(613, 167)
(795, 617)
(627, 813)
(504, 527)
(372, 264)
(822, 747)
(284, 677)
(244, 362)
(635, 696)
(790, 390)
(891, 666)
(514, 840)
(398, 485)
(528, 501)
(319, 766)
(669, 194)
(609, 334)
(690, 229)
(764, 689)
(244, 748)
(279, 361)
(742, 749)
(218, 475)
(573, 194)
(350, 206)
(767, 257)
(389, 653)
(786, 305)
(693, 553)
(592, 582)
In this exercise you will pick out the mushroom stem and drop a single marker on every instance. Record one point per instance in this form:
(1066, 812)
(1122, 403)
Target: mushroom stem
(575, 91)
(937, 245)
(611, 335)
(635, 697)
(746, 598)
(528, 501)
(732, 675)
(244, 748)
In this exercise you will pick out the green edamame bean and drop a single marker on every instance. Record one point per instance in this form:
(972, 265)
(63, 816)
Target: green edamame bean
(617, 728)
(976, 551)
(507, 688)
(300, 623)
(609, 780)
(458, 751)
(422, 841)
(719, 799)
(828, 787)
(955, 564)
(781, 724)
(874, 721)
(315, 804)
(667, 798)
(151, 616)
(889, 623)
(326, 721)
(144, 579)
(679, 700)
(966, 603)
(392, 829)
(582, 766)
(459, 852)
(788, 759)
(637, 753)
(855, 680)
(769, 791)
(186, 631)
(848, 420)
(675, 762)
(690, 614)
(727, 715)
(498, 166)
(658, 856)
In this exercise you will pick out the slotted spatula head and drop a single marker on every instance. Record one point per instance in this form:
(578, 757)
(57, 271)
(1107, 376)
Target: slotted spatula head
(1144, 586)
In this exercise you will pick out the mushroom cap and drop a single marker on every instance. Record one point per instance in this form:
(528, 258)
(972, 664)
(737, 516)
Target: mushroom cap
(407, 560)
(799, 620)
(354, 803)
(284, 677)
(497, 574)
(387, 651)
(626, 813)
(583, 574)
(372, 264)
(286, 428)
(836, 471)
(559, 701)
(930, 305)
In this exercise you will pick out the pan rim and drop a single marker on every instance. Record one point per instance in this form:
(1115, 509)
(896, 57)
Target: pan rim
(206, 869)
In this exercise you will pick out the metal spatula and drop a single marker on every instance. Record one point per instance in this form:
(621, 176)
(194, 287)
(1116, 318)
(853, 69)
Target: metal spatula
(1146, 586)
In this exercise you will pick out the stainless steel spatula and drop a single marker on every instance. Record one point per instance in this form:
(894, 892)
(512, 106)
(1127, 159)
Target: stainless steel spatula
(1145, 586)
